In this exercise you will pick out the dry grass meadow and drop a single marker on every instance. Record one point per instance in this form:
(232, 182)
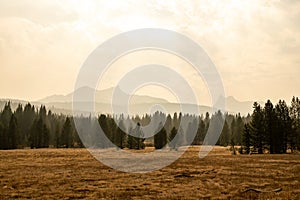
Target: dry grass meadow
(75, 174)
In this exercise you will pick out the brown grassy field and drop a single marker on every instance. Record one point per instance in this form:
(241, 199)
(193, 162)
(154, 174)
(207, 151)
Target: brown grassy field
(75, 174)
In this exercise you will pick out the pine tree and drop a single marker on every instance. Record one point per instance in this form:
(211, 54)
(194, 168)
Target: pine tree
(130, 139)
(29, 116)
(200, 133)
(284, 127)
(140, 137)
(6, 115)
(12, 132)
(135, 138)
(45, 137)
(113, 130)
(43, 113)
(270, 126)
(224, 139)
(295, 117)
(39, 134)
(246, 139)
(191, 131)
(2, 137)
(32, 139)
(19, 117)
(238, 129)
(104, 124)
(206, 122)
(57, 135)
(257, 128)
(5, 118)
(66, 134)
(180, 137)
(160, 138)
(120, 136)
(173, 139)
(175, 120)
(168, 124)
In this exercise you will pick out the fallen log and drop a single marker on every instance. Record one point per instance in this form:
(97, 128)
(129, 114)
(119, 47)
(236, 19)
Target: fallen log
(262, 191)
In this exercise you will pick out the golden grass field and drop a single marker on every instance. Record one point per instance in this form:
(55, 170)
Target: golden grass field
(75, 174)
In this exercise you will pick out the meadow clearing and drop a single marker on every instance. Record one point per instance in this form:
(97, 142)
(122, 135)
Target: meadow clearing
(75, 174)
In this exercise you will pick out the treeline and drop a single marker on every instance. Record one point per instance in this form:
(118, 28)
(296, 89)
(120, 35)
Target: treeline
(32, 127)
(35, 128)
(270, 128)
(274, 129)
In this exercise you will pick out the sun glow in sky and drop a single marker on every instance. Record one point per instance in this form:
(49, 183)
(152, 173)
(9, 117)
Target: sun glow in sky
(255, 44)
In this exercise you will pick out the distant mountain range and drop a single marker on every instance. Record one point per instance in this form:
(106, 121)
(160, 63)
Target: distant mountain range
(139, 104)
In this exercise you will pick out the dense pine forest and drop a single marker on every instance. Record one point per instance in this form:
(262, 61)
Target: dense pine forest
(269, 129)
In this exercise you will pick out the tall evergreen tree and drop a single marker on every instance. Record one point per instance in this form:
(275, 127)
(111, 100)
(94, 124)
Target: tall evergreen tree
(113, 129)
(33, 135)
(206, 122)
(5, 118)
(2, 137)
(104, 124)
(12, 132)
(135, 138)
(246, 138)
(6, 114)
(257, 128)
(57, 135)
(168, 124)
(39, 134)
(284, 127)
(139, 137)
(44, 137)
(130, 138)
(173, 139)
(19, 117)
(295, 117)
(120, 136)
(175, 120)
(200, 132)
(191, 131)
(238, 129)
(29, 116)
(224, 139)
(43, 113)
(160, 138)
(66, 134)
(270, 126)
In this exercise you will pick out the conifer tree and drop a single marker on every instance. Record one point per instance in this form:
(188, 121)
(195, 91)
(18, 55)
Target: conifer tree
(224, 139)
(160, 138)
(270, 126)
(136, 138)
(257, 128)
(66, 134)
(284, 127)
(12, 132)
(295, 117)
(29, 116)
(120, 136)
(200, 133)
(246, 138)
(173, 138)
(130, 139)
(238, 129)
(139, 137)
(2, 139)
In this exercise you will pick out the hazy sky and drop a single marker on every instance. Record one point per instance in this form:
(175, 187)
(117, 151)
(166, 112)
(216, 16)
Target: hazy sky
(255, 44)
